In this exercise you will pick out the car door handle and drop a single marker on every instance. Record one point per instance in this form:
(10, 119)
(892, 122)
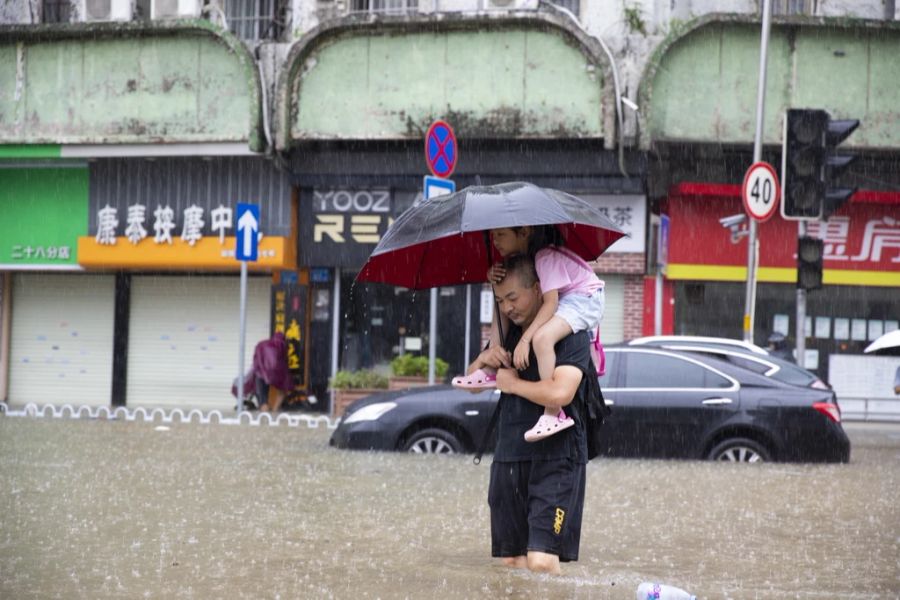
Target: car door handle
(715, 401)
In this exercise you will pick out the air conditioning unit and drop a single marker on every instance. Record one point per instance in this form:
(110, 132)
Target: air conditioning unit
(175, 9)
(511, 4)
(104, 10)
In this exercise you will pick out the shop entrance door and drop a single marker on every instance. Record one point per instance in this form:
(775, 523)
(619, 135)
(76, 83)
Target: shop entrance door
(378, 321)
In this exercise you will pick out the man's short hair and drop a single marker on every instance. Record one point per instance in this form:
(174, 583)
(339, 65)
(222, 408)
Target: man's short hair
(522, 266)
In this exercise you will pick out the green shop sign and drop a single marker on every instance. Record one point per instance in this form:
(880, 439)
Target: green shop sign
(42, 214)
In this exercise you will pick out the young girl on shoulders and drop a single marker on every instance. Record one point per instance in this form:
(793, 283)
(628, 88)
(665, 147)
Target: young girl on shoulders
(573, 301)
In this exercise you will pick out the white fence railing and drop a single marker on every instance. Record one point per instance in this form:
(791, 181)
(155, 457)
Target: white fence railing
(883, 408)
(165, 416)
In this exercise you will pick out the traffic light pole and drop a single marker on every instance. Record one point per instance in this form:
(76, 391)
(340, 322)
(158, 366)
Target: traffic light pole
(800, 325)
(752, 241)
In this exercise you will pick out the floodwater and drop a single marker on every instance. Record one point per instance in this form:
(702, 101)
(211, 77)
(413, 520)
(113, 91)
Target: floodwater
(115, 509)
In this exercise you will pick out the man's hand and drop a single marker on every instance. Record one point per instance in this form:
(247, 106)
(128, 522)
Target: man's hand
(506, 378)
(495, 357)
(520, 355)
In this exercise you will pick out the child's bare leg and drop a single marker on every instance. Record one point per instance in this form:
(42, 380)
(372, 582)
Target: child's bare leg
(543, 344)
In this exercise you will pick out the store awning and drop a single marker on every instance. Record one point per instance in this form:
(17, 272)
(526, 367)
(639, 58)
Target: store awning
(126, 83)
(526, 76)
(701, 83)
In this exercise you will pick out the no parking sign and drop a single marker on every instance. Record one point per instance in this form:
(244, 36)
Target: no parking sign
(440, 149)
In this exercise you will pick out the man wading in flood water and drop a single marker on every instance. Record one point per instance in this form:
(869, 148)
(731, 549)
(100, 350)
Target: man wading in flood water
(536, 492)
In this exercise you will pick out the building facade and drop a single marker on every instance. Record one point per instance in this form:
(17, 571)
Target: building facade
(128, 136)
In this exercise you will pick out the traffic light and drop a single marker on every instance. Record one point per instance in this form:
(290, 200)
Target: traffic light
(810, 164)
(803, 164)
(835, 164)
(810, 252)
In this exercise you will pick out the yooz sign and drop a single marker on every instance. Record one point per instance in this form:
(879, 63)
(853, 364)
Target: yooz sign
(358, 201)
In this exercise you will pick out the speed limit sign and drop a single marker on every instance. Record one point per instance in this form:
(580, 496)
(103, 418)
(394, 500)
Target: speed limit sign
(761, 192)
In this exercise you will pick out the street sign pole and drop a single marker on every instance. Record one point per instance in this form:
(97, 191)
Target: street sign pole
(246, 249)
(752, 241)
(441, 155)
(242, 340)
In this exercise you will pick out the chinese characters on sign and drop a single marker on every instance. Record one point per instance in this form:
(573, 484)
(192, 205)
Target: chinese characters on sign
(20, 252)
(880, 236)
(163, 224)
(627, 211)
(289, 318)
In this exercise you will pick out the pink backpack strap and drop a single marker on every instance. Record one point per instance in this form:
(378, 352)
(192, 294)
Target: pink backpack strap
(600, 355)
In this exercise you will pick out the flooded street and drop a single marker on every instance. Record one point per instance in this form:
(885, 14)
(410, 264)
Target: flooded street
(114, 509)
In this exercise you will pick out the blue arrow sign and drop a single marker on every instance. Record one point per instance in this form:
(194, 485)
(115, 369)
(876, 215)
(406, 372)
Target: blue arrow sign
(247, 244)
(435, 186)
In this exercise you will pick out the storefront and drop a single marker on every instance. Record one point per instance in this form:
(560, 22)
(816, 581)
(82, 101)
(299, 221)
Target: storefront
(371, 323)
(56, 324)
(706, 272)
(167, 229)
(340, 224)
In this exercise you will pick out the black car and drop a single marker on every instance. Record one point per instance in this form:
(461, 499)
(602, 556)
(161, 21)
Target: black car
(429, 420)
(665, 404)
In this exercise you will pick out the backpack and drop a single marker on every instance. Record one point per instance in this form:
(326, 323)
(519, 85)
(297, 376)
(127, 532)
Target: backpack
(594, 410)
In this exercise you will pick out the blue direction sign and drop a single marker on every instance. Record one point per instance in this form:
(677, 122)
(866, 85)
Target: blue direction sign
(440, 149)
(247, 244)
(435, 186)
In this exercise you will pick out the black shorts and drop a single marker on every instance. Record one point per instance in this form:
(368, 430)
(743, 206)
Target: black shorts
(536, 505)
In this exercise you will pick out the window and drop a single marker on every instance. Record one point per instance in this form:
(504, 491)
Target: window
(255, 20)
(571, 5)
(383, 6)
(650, 370)
(756, 366)
(791, 7)
(56, 11)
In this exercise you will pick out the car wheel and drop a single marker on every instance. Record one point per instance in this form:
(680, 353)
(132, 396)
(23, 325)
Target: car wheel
(432, 441)
(740, 450)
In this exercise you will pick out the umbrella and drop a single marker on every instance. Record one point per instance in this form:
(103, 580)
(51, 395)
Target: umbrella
(889, 343)
(443, 241)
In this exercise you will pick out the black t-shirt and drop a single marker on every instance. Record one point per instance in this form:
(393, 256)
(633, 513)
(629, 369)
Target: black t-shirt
(518, 415)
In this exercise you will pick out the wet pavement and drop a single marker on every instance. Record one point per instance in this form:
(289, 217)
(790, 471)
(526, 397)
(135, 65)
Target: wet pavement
(115, 509)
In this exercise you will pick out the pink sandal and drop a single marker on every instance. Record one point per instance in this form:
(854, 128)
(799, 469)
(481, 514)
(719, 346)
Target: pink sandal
(477, 380)
(547, 425)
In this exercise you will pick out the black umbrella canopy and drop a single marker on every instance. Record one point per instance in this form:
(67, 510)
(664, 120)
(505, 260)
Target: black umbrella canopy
(441, 241)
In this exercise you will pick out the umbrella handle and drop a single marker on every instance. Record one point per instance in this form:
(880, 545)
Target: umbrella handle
(487, 247)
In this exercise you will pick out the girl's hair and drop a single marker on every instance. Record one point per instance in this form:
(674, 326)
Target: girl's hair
(541, 237)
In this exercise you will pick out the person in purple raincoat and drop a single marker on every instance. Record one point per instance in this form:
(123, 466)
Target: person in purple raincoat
(271, 369)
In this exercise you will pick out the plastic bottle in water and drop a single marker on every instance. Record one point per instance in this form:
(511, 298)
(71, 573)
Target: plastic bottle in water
(659, 591)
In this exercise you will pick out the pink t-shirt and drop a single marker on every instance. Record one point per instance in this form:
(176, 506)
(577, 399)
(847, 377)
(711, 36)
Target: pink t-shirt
(563, 270)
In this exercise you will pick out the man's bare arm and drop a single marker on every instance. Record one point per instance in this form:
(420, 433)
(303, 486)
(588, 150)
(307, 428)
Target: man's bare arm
(557, 392)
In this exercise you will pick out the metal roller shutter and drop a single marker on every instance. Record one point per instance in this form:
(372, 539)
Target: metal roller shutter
(612, 327)
(61, 339)
(183, 338)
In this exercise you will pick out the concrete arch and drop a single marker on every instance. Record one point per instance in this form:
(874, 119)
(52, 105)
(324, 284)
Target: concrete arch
(401, 105)
(700, 83)
(71, 88)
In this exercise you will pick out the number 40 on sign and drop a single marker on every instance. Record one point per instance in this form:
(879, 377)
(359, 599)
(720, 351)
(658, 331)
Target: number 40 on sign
(761, 191)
